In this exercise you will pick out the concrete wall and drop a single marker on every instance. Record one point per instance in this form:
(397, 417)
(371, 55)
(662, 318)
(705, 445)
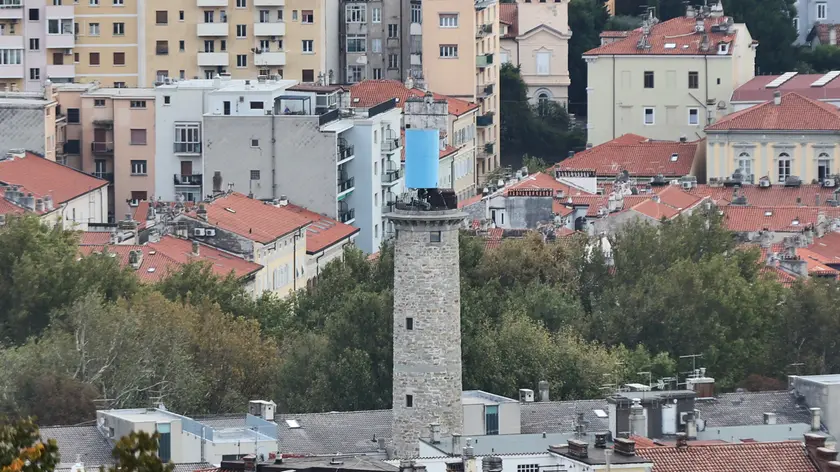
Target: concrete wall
(527, 212)
(186, 106)
(806, 11)
(555, 16)
(22, 127)
(613, 223)
(820, 395)
(91, 207)
(474, 419)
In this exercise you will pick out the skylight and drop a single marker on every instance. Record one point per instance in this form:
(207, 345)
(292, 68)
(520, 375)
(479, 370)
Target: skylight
(600, 413)
(795, 222)
(670, 45)
(674, 157)
(150, 269)
(230, 210)
(293, 424)
(768, 213)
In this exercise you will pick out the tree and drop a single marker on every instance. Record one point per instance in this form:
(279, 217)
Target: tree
(56, 398)
(770, 22)
(587, 19)
(137, 452)
(22, 450)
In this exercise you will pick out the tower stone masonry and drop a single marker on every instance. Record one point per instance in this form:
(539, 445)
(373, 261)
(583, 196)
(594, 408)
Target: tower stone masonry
(427, 326)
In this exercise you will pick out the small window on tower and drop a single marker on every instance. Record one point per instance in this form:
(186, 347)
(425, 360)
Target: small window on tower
(409, 324)
(434, 236)
(409, 401)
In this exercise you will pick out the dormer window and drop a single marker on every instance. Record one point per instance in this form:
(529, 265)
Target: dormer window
(723, 48)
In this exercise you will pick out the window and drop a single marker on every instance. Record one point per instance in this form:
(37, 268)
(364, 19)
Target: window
(409, 324)
(649, 115)
(187, 138)
(34, 73)
(34, 44)
(255, 143)
(376, 231)
(162, 17)
(543, 63)
(448, 20)
(796, 23)
(76, 57)
(784, 167)
(307, 75)
(119, 58)
(822, 11)
(356, 13)
(745, 164)
(449, 50)
(138, 167)
(34, 14)
(138, 136)
(376, 15)
(241, 3)
(504, 57)
(209, 45)
(356, 43)
(11, 56)
(377, 73)
(528, 468)
(119, 84)
(823, 166)
(693, 116)
(393, 61)
(93, 29)
(119, 29)
(99, 102)
(117, 3)
(138, 104)
(306, 16)
(241, 31)
(409, 401)
(162, 48)
(355, 74)
(416, 13)
(181, 45)
(180, 15)
(257, 106)
(491, 419)
(693, 80)
(241, 60)
(93, 3)
(161, 75)
(255, 175)
(73, 115)
(294, 15)
(279, 15)
(265, 46)
(393, 30)
(167, 100)
(208, 16)
(307, 45)
(434, 236)
(376, 45)
(648, 79)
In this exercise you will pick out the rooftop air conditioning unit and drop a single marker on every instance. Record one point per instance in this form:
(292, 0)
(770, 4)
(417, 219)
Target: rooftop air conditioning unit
(198, 231)
(687, 185)
(793, 181)
(764, 182)
(829, 183)
(210, 232)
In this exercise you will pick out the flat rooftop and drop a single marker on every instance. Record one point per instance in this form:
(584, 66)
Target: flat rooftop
(112, 92)
(256, 86)
(480, 397)
(24, 102)
(138, 415)
(502, 443)
(828, 379)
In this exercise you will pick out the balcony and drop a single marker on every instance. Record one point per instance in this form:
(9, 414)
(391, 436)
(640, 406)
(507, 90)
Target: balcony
(104, 124)
(213, 59)
(11, 10)
(416, 59)
(186, 148)
(415, 29)
(483, 91)
(391, 177)
(270, 59)
(212, 29)
(392, 42)
(11, 42)
(345, 151)
(73, 146)
(103, 148)
(211, 3)
(346, 185)
(61, 71)
(483, 60)
(61, 41)
(269, 3)
(489, 150)
(270, 29)
(390, 141)
(191, 179)
(484, 120)
(347, 216)
(12, 71)
(483, 30)
(109, 176)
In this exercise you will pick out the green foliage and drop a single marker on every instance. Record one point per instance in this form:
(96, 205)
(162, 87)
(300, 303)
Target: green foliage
(623, 23)
(22, 450)
(587, 19)
(770, 23)
(137, 452)
(819, 60)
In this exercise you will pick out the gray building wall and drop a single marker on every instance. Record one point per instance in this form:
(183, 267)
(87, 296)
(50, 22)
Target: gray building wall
(613, 223)
(305, 158)
(528, 212)
(806, 11)
(396, 12)
(22, 127)
(427, 358)
(821, 393)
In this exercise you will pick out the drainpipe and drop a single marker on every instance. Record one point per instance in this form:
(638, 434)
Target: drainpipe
(706, 103)
(614, 110)
(273, 157)
(400, 36)
(318, 265)
(294, 257)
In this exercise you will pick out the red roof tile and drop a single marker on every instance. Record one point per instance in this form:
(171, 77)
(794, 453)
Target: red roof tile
(816, 263)
(795, 112)
(678, 31)
(827, 248)
(494, 238)
(787, 280)
(777, 195)
(637, 155)
(677, 198)
(509, 15)
(7, 207)
(655, 210)
(741, 457)
(251, 218)
(154, 266)
(180, 250)
(756, 89)
(470, 201)
(785, 219)
(541, 180)
(370, 93)
(323, 232)
(94, 238)
(823, 31)
(44, 177)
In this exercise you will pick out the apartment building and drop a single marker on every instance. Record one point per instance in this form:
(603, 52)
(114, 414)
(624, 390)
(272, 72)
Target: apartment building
(535, 36)
(814, 12)
(668, 80)
(460, 58)
(31, 121)
(110, 133)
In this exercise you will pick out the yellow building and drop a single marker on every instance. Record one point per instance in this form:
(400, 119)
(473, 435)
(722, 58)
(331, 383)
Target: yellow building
(461, 59)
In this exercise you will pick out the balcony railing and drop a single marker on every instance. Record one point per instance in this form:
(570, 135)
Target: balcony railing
(483, 60)
(345, 151)
(346, 184)
(489, 148)
(484, 120)
(102, 147)
(109, 176)
(345, 216)
(73, 146)
(187, 148)
(390, 141)
(391, 176)
(188, 179)
(484, 90)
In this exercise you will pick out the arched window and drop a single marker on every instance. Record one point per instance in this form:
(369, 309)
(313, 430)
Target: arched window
(745, 165)
(823, 166)
(784, 167)
(543, 100)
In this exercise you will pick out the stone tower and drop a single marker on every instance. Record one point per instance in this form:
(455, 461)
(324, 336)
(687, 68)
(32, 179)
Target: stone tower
(427, 326)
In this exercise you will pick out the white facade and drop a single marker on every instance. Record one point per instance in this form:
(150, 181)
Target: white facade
(91, 207)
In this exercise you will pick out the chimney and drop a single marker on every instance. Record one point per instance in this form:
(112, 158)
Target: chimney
(825, 455)
(777, 97)
(491, 464)
(468, 450)
(380, 444)
(832, 35)
(690, 12)
(638, 419)
(217, 182)
(409, 83)
(682, 440)
(28, 201)
(578, 448)
(690, 426)
(48, 203)
(600, 440)
(543, 385)
(217, 82)
(201, 213)
(813, 442)
(816, 421)
(196, 249)
(48, 90)
(833, 466)
(250, 463)
(434, 433)
(39, 205)
(135, 258)
(769, 418)
(588, 145)
(624, 447)
(683, 138)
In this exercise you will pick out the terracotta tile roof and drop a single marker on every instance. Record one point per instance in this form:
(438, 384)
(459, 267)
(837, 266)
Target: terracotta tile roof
(140, 213)
(795, 112)
(180, 250)
(251, 218)
(564, 232)
(614, 34)
(827, 248)
(323, 232)
(655, 210)
(823, 32)
(7, 207)
(756, 89)
(637, 155)
(154, 266)
(816, 263)
(677, 198)
(494, 238)
(787, 456)
(541, 180)
(678, 31)
(94, 238)
(780, 218)
(509, 15)
(369, 93)
(777, 195)
(471, 200)
(43, 177)
(787, 280)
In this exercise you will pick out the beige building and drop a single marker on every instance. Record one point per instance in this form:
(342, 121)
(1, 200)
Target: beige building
(668, 80)
(535, 37)
(455, 32)
(110, 133)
